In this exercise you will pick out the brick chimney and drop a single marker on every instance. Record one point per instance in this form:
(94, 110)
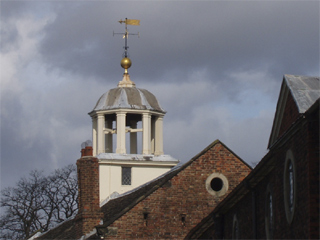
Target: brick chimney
(89, 214)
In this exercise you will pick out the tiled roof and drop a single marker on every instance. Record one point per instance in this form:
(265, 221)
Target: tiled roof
(305, 90)
(63, 231)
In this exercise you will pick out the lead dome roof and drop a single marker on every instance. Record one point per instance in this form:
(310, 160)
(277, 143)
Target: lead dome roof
(128, 98)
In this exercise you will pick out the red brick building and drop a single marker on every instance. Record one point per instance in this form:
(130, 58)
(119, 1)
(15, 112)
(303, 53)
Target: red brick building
(216, 195)
(167, 207)
(280, 198)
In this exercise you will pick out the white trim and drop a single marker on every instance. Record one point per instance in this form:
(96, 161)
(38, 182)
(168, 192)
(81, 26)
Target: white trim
(127, 110)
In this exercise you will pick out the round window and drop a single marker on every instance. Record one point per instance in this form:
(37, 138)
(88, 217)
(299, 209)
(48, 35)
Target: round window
(217, 184)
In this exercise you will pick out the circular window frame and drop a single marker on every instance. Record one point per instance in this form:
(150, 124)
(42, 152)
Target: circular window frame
(289, 212)
(225, 184)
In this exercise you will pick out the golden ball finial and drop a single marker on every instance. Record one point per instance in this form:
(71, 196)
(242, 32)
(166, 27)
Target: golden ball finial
(125, 63)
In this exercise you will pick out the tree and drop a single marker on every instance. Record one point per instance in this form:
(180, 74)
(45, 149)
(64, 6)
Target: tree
(38, 203)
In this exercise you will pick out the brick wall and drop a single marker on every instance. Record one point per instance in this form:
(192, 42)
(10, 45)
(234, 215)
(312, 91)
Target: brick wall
(304, 143)
(290, 115)
(175, 208)
(313, 173)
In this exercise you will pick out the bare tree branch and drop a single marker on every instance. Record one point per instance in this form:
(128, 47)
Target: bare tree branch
(38, 203)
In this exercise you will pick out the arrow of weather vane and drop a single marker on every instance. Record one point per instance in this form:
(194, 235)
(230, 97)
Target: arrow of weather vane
(126, 33)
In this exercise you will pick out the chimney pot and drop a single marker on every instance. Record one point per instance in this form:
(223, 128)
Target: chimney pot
(87, 151)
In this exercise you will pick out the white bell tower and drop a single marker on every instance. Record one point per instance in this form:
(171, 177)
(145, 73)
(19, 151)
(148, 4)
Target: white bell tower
(123, 107)
(116, 116)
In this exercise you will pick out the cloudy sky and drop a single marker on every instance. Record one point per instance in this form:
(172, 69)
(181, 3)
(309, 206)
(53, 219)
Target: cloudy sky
(215, 66)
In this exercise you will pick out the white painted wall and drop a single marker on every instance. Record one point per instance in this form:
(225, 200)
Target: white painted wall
(110, 176)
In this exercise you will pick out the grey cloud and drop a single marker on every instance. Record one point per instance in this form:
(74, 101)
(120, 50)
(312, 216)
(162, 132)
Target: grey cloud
(243, 137)
(43, 139)
(194, 56)
(9, 37)
(16, 156)
(12, 8)
(181, 37)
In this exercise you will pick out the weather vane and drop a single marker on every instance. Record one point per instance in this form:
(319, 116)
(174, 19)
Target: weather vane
(126, 33)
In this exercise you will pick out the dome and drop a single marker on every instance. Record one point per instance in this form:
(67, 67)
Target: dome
(128, 98)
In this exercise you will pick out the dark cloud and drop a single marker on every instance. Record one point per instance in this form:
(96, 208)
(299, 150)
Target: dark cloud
(11, 9)
(215, 66)
(16, 156)
(184, 36)
(10, 37)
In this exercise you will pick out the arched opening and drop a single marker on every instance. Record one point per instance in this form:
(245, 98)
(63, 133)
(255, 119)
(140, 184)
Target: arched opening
(133, 128)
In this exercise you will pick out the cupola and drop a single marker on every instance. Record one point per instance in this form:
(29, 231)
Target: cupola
(127, 135)
(123, 107)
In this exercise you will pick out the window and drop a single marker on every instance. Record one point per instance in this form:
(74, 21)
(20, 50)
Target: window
(126, 175)
(269, 213)
(289, 183)
(217, 184)
(145, 218)
(235, 228)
